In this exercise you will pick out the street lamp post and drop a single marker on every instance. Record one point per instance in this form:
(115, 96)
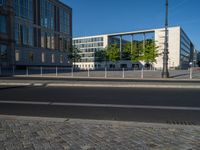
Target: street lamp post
(165, 72)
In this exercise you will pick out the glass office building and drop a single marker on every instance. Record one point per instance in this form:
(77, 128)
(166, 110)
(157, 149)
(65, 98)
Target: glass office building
(181, 48)
(35, 33)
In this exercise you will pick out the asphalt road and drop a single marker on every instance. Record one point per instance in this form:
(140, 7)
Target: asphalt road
(130, 104)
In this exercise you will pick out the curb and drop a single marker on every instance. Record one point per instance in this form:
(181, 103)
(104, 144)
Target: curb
(31, 118)
(124, 86)
(91, 121)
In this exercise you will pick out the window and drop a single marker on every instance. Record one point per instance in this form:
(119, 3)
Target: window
(43, 57)
(3, 51)
(17, 33)
(2, 2)
(31, 57)
(48, 40)
(52, 41)
(43, 39)
(24, 9)
(25, 35)
(3, 24)
(61, 59)
(17, 55)
(47, 14)
(53, 58)
(64, 21)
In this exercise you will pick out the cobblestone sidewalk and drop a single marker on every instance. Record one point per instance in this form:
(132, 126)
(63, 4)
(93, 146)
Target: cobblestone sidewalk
(18, 133)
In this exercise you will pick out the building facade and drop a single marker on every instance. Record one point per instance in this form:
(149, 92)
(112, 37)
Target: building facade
(181, 49)
(35, 33)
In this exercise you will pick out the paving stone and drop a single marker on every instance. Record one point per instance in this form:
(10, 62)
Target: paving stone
(30, 134)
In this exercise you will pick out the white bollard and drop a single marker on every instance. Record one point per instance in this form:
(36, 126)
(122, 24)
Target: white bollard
(142, 73)
(105, 72)
(123, 75)
(191, 72)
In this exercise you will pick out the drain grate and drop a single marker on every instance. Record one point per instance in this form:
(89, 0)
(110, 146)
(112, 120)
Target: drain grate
(180, 122)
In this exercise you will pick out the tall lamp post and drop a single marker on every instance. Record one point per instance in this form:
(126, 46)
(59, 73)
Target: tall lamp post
(165, 72)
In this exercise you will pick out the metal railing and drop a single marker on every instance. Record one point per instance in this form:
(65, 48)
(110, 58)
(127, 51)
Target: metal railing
(192, 73)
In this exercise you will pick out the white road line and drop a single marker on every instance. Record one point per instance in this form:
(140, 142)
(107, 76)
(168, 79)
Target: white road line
(102, 105)
(15, 84)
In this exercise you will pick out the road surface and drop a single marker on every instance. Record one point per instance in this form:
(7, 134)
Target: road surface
(130, 104)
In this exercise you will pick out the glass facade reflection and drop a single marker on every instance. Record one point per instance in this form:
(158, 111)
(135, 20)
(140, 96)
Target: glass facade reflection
(88, 47)
(3, 52)
(3, 24)
(40, 28)
(2, 2)
(24, 9)
(186, 49)
(64, 21)
(46, 14)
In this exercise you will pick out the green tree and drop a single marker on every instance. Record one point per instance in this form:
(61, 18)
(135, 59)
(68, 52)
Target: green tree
(150, 52)
(133, 51)
(113, 52)
(100, 55)
(74, 54)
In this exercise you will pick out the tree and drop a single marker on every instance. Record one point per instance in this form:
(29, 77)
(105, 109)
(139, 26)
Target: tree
(74, 54)
(135, 53)
(100, 55)
(150, 52)
(113, 53)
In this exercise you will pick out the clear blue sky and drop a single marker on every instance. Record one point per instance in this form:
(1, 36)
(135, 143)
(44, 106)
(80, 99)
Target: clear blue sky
(91, 17)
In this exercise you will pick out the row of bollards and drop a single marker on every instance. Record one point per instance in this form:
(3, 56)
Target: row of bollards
(13, 71)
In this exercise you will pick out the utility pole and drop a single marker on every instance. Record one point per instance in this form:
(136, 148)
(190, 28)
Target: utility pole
(165, 72)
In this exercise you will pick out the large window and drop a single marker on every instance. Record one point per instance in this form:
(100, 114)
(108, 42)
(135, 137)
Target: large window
(64, 21)
(52, 58)
(47, 14)
(3, 51)
(3, 24)
(24, 9)
(47, 40)
(2, 2)
(17, 55)
(43, 57)
(23, 35)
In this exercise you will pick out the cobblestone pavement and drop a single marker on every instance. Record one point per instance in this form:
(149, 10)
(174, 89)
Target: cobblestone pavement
(42, 134)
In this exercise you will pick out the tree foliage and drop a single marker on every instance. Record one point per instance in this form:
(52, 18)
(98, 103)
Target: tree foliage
(137, 51)
(150, 52)
(100, 55)
(134, 50)
(74, 54)
(113, 52)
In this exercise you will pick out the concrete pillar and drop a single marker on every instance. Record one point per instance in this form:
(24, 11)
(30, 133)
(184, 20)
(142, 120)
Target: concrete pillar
(144, 40)
(132, 44)
(120, 47)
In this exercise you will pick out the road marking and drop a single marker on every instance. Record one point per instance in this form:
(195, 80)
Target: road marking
(14, 84)
(102, 105)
